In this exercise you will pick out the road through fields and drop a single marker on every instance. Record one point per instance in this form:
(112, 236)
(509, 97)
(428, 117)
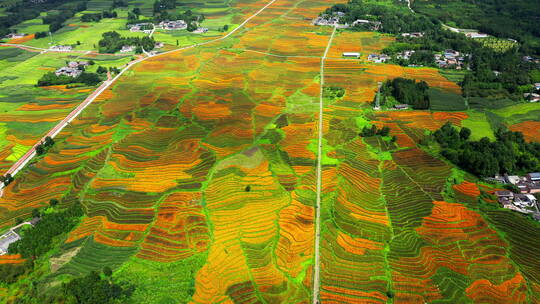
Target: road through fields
(316, 266)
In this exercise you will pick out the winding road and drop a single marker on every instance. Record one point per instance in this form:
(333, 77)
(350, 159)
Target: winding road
(31, 153)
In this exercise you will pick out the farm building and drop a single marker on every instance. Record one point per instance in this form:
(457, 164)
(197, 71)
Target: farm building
(7, 239)
(351, 54)
(402, 106)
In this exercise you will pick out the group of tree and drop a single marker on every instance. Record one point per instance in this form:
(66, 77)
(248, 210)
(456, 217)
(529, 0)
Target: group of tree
(44, 146)
(188, 16)
(509, 153)
(112, 42)
(96, 288)
(39, 239)
(333, 92)
(373, 131)
(56, 19)
(407, 91)
(19, 11)
(392, 20)
(51, 78)
(96, 17)
(6, 179)
(517, 19)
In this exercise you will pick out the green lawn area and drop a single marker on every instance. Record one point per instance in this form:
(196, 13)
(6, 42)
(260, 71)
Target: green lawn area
(478, 124)
(87, 33)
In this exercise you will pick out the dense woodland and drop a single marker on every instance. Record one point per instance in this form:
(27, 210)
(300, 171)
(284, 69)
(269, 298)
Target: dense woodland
(112, 42)
(27, 9)
(39, 239)
(407, 91)
(517, 19)
(509, 153)
(496, 75)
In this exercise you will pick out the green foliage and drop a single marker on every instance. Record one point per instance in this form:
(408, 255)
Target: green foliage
(392, 19)
(508, 154)
(10, 272)
(333, 92)
(92, 289)
(507, 19)
(408, 91)
(50, 78)
(112, 42)
(39, 239)
(372, 131)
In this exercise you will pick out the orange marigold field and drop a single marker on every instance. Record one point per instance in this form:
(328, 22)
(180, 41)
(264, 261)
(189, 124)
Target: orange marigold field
(530, 129)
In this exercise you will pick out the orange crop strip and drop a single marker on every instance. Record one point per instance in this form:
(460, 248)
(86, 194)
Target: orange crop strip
(530, 130)
(11, 259)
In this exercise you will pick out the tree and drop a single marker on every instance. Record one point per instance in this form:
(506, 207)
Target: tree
(248, 188)
(107, 271)
(465, 133)
(53, 202)
(40, 150)
(225, 27)
(101, 70)
(36, 213)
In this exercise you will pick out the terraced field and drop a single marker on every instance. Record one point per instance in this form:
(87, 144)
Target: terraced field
(197, 173)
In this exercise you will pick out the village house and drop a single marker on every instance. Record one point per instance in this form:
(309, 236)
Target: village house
(405, 54)
(67, 71)
(173, 25)
(378, 58)
(326, 19)
(476, 35)
(537, 86)
(127, 48)
(75, 64)
(158, 45)
(351, 54)
(140, 27)
(413, 35)
(402, 106)
(532, 97)
(15, 35)
(200, 30)
(61, 48)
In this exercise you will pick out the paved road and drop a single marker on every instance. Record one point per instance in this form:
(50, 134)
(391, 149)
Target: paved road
(316, 267)
(15, 168)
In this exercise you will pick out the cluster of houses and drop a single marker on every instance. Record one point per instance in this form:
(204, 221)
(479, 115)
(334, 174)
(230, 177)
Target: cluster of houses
(450, 59)
(531, 59)
(533, 97)
(378, 58)
(173, 25)
(61, 48)
(179, 25)
(15, 35)
(413, 35)
(334, 20)
(127, 48)
(524, 201)
(73, 69)
(141, 27)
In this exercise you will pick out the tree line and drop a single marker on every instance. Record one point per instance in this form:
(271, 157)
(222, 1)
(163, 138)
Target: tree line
(509, 153)
(406, 91)
(50, 78)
